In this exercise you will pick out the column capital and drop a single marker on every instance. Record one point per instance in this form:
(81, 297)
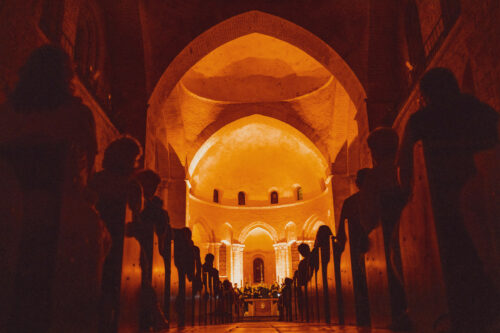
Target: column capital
(237, 247)
(282, 245)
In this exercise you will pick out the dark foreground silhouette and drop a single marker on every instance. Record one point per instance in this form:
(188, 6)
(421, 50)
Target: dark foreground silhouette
(453, 126)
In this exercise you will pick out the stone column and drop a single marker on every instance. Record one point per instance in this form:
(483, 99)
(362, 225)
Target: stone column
(288, 261)
(237, 264)
(281, 250)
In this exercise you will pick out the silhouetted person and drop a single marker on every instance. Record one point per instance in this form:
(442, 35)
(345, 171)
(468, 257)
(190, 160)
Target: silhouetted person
(210, 278)
(322, 244)
(152, 218)
(286, 300)
(116, 189)
(305, 268)
(154, 210)
(305, 272)
(47, 136)
(185, 263)
(386, 202)
(197, 283)
(453, 126)
(228, 301)
(352, 214)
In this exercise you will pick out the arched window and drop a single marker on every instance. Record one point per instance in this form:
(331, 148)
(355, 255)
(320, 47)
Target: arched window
(299, 193)
(216, 195)
(87, 48)
(274, 197)
(241, 198)
(89, 54)
(258, 270)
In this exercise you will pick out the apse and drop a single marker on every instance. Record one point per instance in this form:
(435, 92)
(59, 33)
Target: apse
(257, 174)
(256, 124)
(257, 155)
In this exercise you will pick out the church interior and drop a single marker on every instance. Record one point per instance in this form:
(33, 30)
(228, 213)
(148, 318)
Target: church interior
(290, 168)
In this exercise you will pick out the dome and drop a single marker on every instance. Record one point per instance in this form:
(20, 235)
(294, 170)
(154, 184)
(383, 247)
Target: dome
(257, 155)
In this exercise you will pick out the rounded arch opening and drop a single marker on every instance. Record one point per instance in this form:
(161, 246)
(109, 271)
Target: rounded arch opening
(267, 228)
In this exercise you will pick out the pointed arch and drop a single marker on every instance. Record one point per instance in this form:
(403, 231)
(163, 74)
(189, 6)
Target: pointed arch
(201, 228)
(267, 24)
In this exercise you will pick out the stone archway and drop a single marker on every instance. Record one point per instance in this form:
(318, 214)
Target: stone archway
(233, 28)
(224, 32)
(267, 24)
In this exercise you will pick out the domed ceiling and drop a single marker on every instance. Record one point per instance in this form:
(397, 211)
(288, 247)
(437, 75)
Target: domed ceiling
(257, 155)
(255, 68)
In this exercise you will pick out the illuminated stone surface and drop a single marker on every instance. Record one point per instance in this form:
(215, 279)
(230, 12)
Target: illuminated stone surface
(257, 155)
(279, 327)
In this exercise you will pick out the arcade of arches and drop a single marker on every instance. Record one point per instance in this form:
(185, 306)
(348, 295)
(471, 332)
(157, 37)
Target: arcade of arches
(255, 115)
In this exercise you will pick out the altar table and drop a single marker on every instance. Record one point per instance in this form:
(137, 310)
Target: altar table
(262, 307)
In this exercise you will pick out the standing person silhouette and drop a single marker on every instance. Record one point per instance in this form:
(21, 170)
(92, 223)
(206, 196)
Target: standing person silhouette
(48, 138)
(153, 218)
(452, 127)
(386, 199)
(351, 213)
(116, 190)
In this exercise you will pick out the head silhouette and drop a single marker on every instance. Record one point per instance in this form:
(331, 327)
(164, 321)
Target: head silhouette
(439, 85)
(149, 181)
(323, 236)
(361, 176)
(383, 143)
(209, 259)
(304, 250)
(187, 233)
(44, 81)
(121, 155)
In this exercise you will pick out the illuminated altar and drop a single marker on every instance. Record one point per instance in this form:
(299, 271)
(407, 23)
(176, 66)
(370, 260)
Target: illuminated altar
(262, 307)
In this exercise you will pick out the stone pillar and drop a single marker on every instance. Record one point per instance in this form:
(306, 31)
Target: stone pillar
(288, 261)
(237, 263)
(281, 250)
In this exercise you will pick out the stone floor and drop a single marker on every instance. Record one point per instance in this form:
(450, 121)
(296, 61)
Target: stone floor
(277, 327)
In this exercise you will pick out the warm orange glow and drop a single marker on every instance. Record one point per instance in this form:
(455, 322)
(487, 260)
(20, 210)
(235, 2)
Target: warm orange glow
(258, 239)
(271, 155)
(293, 119)
(255, 68)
